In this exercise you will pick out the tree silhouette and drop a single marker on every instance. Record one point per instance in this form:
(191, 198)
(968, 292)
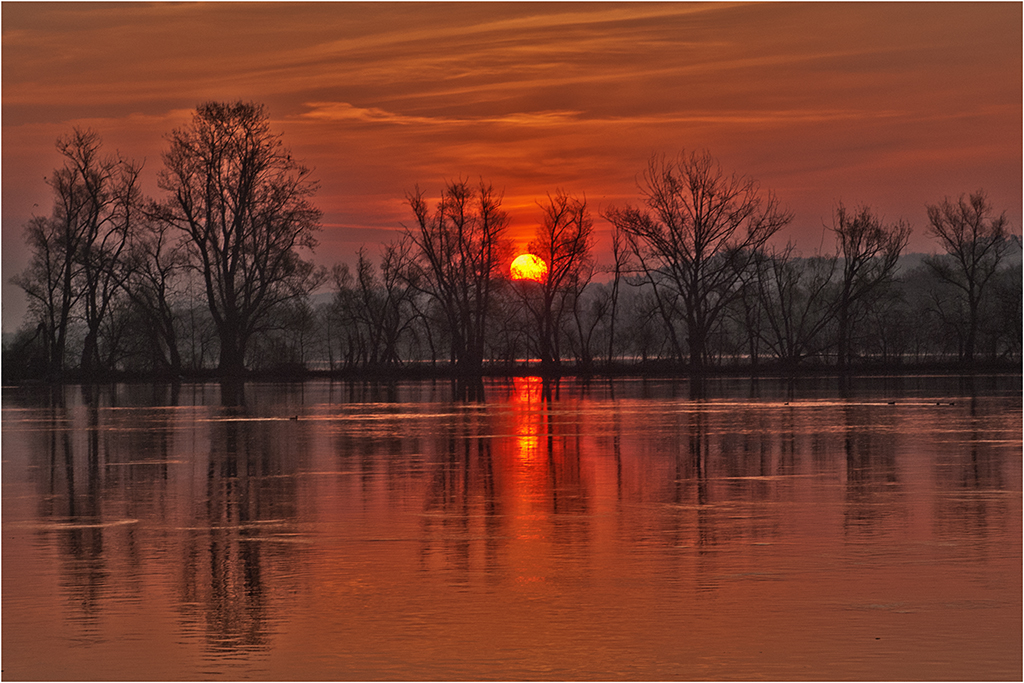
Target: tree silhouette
(695, 238)
(975, 242)
(375, 308)
(620, 264)
(869, 252)
(459, 253)
(794, 301)
(564, 240)
(116, 281)
(48, 281)
(77, 267)
(243, 205)
(157, 262)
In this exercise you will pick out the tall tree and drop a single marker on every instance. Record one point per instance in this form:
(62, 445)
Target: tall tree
(156, 266)
(376, 307)
(49, 283)
(869, 251)
(459, 252)
(795, 302)
(695, 239)
(975, 241)
(620, 264)
(564, 240)
(244, 207)
(111, 186)
(76, 268)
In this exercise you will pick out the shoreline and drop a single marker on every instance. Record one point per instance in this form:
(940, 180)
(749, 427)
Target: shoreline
(652, 370)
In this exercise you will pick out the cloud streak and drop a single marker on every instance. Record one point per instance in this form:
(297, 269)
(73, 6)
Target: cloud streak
(347, 112)
(344, 112)
(890, 104)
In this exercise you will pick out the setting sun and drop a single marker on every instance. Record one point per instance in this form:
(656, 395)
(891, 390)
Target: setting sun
(529, 267)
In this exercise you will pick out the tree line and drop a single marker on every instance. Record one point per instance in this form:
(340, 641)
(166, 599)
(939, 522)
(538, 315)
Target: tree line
(216, 276)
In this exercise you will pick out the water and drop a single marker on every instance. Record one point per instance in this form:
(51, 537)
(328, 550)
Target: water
(611, 530)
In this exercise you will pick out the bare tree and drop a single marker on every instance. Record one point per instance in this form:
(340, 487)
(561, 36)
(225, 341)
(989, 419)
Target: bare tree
(888, 324)
(376, 308)
(76, 267)
(344, 316)
(1006, 319)
(695, 238)
(794, 298)
(459, 251)
(591, 309)
(155, 272)
(48, 281)
(869, 252)
(286, 339)
(564, 240)
(244, 207)
(975, 242)
(113, 210)
(620, 265)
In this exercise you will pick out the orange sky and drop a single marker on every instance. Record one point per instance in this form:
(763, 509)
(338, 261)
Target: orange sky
(889, 105)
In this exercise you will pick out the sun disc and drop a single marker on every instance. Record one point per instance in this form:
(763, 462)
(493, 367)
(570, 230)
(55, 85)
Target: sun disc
(529, 267)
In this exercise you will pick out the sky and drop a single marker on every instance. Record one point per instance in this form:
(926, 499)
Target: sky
(889, 105)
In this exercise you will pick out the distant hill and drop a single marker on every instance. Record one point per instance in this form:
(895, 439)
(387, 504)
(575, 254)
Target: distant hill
(914, 260)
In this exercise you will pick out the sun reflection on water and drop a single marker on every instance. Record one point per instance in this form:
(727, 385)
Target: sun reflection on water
(527, 404)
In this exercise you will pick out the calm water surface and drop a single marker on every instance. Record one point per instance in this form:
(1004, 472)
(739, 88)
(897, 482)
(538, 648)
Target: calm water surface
(610, 530)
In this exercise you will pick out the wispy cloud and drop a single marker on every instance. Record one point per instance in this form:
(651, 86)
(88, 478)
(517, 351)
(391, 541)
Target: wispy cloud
(343, 111)
(817, 100)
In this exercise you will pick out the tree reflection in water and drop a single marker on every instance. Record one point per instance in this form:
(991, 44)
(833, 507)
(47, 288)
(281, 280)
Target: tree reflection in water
(384, 529)
(107, 476)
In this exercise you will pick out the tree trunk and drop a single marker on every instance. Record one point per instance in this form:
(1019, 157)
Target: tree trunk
(972, 327)
(232, 350)
(695, 342)
(91, 352)
(843, 347)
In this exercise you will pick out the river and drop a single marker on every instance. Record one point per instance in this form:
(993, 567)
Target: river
(626, 529)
